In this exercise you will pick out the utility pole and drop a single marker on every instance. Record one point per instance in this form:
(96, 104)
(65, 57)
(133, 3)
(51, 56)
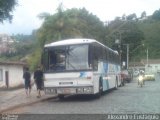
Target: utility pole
(127, 45)
(147, 57)
(119, 43)
(147, 69)
(127, 55)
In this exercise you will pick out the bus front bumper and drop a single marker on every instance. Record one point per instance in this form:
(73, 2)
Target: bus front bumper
(69, 90)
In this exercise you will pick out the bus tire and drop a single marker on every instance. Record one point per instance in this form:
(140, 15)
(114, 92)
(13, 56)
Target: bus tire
(98, 95)
(122, 82)
(61, 97)
(116, 84)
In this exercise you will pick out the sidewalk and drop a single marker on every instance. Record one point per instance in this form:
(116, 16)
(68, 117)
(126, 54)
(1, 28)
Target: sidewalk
(10, 99)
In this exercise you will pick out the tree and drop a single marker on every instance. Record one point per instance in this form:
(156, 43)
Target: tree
(128, 33)
(23, 45)
(143, 15)
(123, 17)
(43, 15)
(132, 17)
(72, 23)
(156, 15)
(6, 7)
(152, 37)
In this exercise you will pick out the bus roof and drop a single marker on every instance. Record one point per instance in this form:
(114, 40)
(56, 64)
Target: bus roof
(75, 41)
(70, 42)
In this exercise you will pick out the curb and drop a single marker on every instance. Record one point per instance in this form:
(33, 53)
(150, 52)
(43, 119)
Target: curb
(26, 104)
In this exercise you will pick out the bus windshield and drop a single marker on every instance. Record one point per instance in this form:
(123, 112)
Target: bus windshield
(66, 58)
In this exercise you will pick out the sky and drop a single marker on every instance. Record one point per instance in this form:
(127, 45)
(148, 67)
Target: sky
(25, 18)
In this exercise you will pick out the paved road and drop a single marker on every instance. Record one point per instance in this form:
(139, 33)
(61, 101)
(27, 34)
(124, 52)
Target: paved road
(128, 99)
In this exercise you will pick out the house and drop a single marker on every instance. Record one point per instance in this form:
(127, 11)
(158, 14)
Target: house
(149, 66)
(11, 74)
(152, 65)
(6, 44)
(136, 66)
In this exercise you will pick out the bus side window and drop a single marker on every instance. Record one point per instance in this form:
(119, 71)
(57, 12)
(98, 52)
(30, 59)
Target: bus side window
(52, 60)
(95, 58)
(90, 56)
(95, 64)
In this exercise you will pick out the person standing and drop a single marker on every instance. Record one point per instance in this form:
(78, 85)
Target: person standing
(38, 77)
(27, 81)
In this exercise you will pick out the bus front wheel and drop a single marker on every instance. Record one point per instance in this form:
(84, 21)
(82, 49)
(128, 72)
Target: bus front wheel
(122, 82)
(116, 84)
(98, 95)
(61, 97)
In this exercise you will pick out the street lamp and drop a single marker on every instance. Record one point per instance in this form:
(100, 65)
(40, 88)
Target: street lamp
(127, 54)
(117, 41)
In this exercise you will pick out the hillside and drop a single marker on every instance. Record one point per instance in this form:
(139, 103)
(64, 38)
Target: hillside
(140, 33)
(151, 30)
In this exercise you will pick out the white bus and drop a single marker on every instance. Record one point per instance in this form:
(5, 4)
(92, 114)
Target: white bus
(80, 66)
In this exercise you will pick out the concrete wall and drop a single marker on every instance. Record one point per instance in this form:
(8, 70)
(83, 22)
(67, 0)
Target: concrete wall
(153, 68)
(15, 75)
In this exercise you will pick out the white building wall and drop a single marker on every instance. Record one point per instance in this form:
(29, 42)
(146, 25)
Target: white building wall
(15, 75)
(2, 82)
(153, 68)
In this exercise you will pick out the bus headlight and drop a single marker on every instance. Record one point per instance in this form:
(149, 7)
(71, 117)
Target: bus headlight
(88, 90)
(79, 90)
(85, 90)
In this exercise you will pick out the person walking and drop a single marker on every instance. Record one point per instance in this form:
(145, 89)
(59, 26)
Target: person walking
(27, 81)
(38, 77)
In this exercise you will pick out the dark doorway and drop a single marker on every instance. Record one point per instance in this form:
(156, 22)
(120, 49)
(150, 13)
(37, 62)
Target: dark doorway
(7, 78)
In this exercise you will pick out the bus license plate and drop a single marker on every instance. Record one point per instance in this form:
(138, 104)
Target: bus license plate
(66, 90)
(50, 91)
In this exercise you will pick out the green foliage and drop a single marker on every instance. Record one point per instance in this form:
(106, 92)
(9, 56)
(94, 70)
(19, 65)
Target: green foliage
(23, 38)
(6, 7)
(132, 17)
(128, 32)
(24, 45)
(156, 15)
(143, 15)
(34, 59)
(151, 32)
(26, 49)
(140, 34)
(43, 15)
(72, 23)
